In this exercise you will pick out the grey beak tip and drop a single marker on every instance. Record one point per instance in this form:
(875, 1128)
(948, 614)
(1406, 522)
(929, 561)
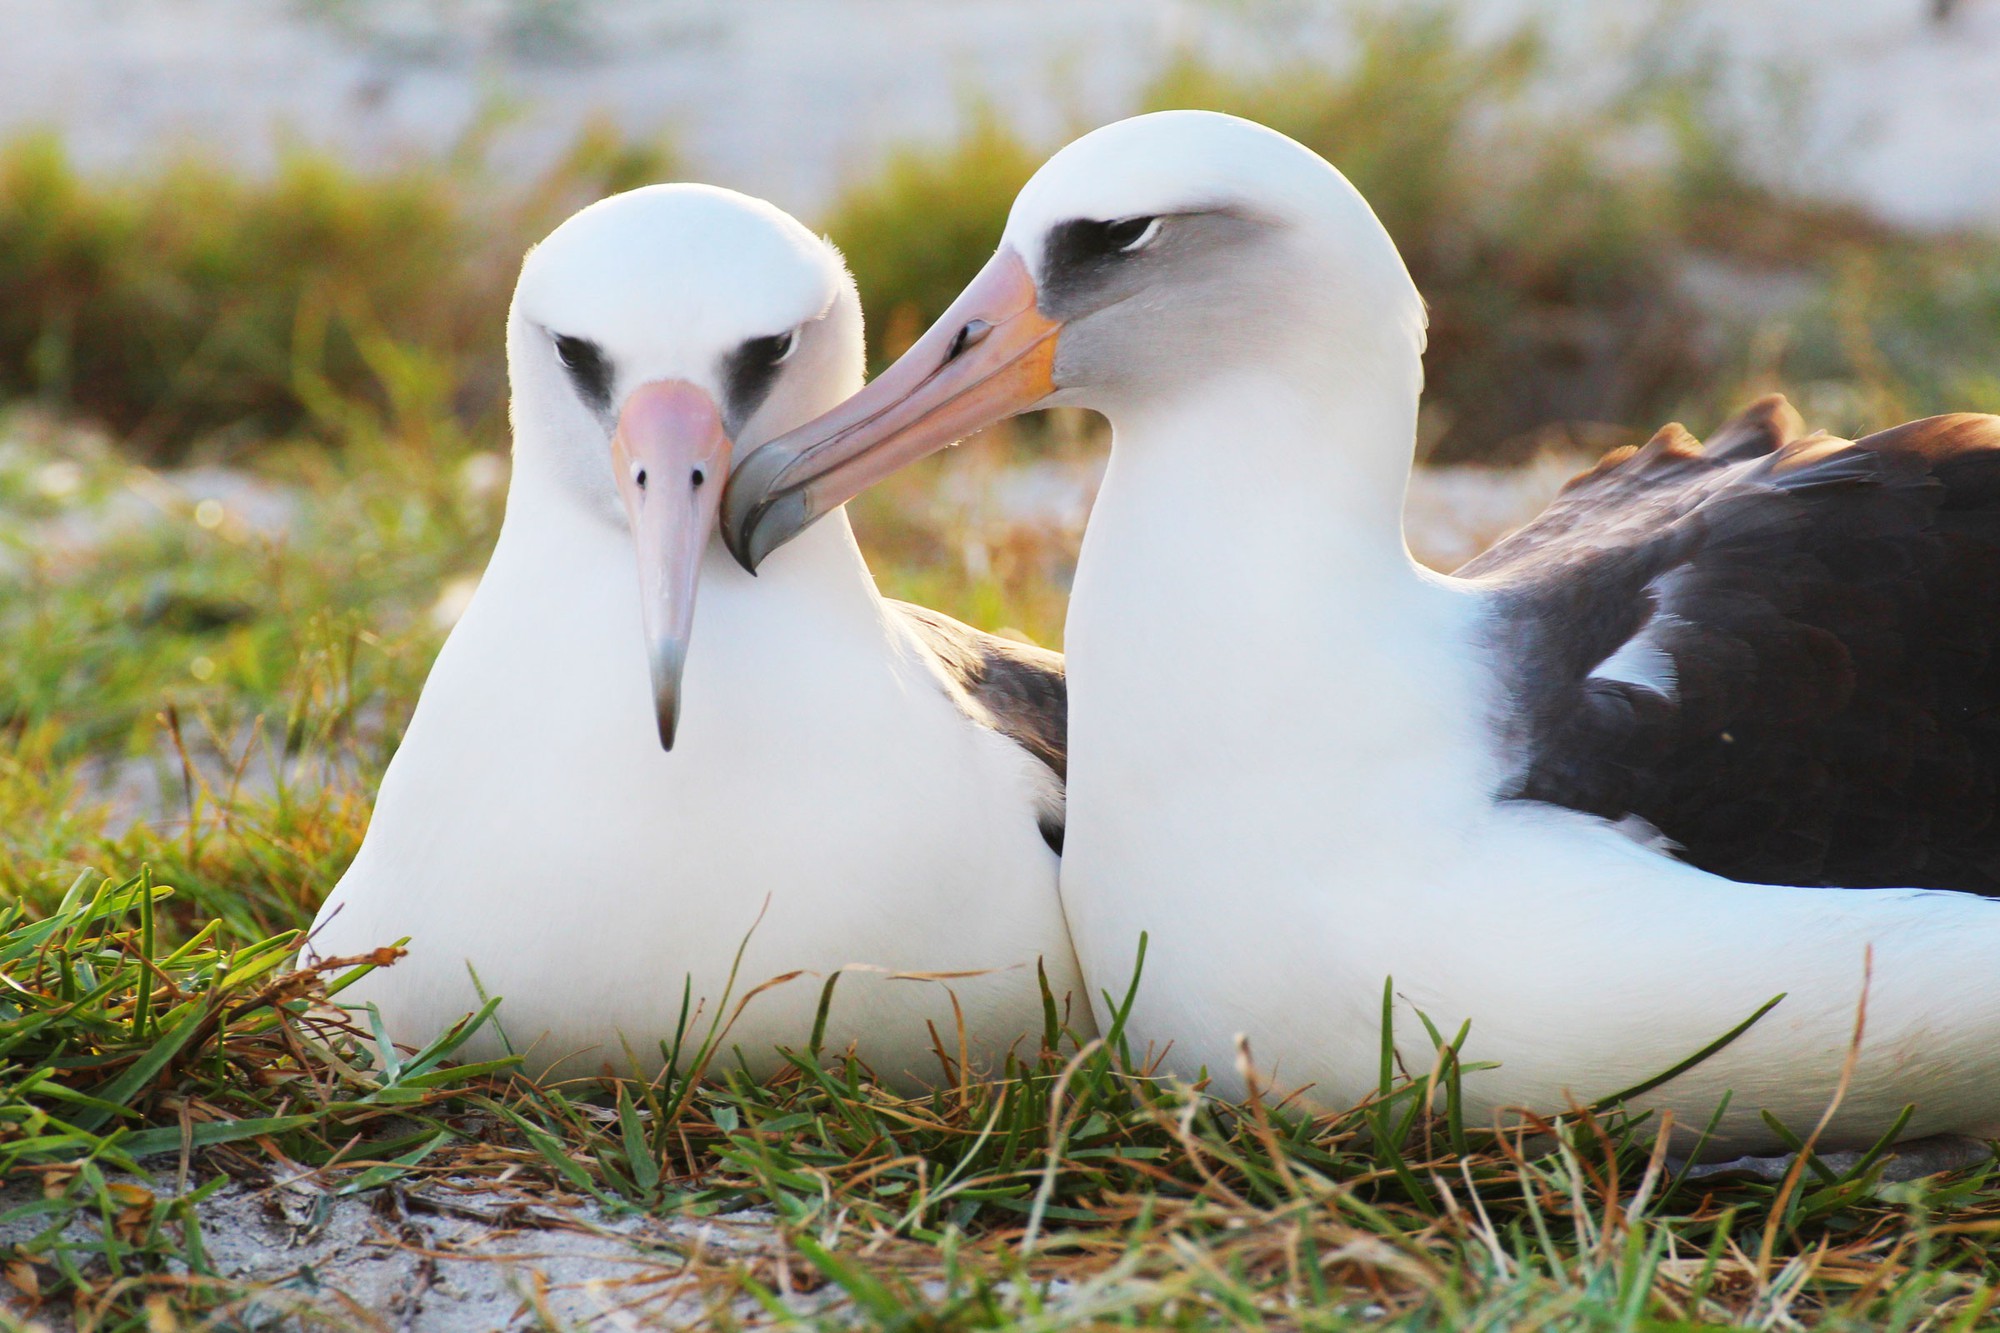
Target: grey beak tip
(775, 522)
(752, 528)
(667, 694)
(758, 545)
(735, 535)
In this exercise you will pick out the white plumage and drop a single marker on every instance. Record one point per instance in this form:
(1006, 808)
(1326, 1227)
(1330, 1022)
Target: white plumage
(825, 798)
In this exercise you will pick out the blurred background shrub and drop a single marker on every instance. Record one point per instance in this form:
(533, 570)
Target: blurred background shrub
(1574, 283)
(915, 233)
(199, 305)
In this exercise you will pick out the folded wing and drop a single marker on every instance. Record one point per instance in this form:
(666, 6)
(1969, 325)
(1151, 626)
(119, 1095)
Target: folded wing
(1778, 650)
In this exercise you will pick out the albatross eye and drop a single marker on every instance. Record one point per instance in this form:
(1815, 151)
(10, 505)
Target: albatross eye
(1090, 243)
(772, 351)
(1129, 234)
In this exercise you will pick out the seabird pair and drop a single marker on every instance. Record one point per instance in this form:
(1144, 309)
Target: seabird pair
(1718, 728)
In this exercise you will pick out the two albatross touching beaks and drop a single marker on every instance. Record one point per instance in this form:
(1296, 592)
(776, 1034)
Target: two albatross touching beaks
(853, 783)
(1305, 765)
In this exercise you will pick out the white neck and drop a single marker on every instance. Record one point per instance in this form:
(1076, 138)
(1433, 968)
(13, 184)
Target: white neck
(1327, 455)
(1244, 579)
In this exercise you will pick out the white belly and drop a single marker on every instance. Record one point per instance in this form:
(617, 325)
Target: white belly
(824, 808)
(1584, 964)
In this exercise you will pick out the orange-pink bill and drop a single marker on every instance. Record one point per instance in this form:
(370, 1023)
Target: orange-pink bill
(988, 357)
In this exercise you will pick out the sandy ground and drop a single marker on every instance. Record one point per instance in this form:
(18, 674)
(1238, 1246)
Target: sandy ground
(444, 1260)
(1871, 100)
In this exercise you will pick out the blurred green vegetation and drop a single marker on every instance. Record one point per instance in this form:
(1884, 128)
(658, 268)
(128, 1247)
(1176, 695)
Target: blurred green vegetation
(196, 304)
(918, 231)
(1573, 279)
(212, 687)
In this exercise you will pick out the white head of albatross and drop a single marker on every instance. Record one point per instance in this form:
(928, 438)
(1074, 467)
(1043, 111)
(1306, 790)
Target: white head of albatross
(863, 782)
(711, 353)
(1159, 259)
(1603, 796)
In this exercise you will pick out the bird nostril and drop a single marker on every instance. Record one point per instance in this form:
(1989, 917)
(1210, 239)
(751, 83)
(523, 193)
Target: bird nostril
(971, 335)
(698, 478)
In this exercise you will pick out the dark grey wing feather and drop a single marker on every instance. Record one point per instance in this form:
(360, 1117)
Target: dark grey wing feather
(1013, 688)
(1781, 651)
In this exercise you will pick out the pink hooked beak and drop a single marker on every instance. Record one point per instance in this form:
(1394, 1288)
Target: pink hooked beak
(672, 460)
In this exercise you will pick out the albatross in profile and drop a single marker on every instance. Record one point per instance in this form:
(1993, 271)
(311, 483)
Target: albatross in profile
(608, 786)
(1721, 726)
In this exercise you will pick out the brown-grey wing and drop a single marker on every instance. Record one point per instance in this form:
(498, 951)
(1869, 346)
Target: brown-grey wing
(1015, 689)
(1636, 487)
(1782, 651)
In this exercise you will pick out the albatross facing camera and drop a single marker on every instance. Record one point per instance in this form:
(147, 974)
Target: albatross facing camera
(631, 756)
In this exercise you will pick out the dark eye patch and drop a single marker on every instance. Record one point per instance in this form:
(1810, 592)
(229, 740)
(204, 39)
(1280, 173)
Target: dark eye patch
(589, 370)
(749, 372)
(1078, 254)
(1082, 240)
